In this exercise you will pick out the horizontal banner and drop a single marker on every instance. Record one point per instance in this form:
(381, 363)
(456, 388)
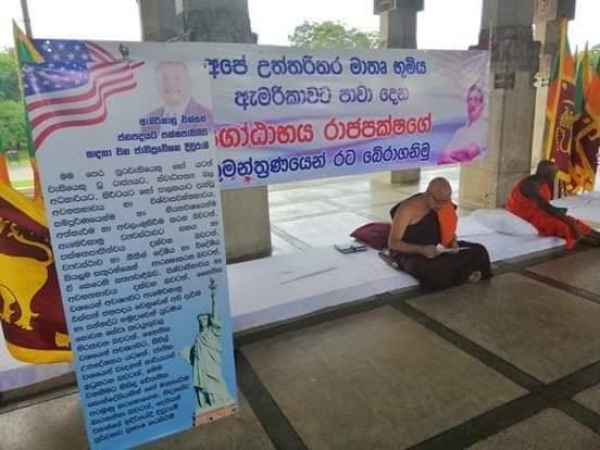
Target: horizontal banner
(285, 114)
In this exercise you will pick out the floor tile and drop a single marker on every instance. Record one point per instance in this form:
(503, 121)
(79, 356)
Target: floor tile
(52, 425)
(374, 380)
(544, 331)
(296, 210)
(381, 213)
(366, 199)
(590, 398)
(58, 425)
(549, 430)
(579, 270)
(240, 432)
(323, 231)
(281, 246)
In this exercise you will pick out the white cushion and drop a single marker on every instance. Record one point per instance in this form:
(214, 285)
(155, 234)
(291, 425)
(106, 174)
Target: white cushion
(504, 222)
(470, 226)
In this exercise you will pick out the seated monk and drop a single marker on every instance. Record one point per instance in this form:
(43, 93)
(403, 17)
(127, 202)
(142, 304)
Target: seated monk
(419, 225)
(530, 200)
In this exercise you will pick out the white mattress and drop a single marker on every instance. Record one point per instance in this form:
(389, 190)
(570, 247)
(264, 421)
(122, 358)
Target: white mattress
(503, 246)
(15, 374)
(282, 287)
(30, 374)
(279, 288)
(585, 207)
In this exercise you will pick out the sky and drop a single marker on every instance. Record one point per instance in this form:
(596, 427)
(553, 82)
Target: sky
(119, 20)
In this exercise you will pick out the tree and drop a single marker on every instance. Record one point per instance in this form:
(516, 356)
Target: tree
(315, 35)
(12, 113)
(9, 83)
(12, 124)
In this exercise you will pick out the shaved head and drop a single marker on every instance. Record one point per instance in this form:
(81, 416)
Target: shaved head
(546, 168)
(440, 188)
(439, 192)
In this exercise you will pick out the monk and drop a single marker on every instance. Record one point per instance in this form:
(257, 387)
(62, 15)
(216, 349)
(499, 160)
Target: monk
(530, 200)
(423, 242)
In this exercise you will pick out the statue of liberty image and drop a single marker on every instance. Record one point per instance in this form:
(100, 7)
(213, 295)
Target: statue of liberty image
(205, 357)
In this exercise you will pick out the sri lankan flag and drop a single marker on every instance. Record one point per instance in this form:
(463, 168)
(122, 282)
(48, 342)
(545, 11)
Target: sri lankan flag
(586, 129)
(31, 313)
(27, 53)
(560, 108)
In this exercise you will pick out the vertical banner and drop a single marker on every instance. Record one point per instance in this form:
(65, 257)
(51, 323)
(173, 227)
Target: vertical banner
(130, 185)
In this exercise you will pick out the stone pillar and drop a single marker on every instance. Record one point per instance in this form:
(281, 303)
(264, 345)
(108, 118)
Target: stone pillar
(245, 211)
(547, 19)
(158, 19)
(514, 62)
(398, 29)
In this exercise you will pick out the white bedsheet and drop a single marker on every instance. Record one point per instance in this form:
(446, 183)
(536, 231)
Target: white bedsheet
(15, 374)
(503, 246)
(282, 287)
(585, 207)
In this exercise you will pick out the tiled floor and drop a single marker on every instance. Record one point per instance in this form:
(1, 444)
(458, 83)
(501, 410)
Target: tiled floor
(379, 369)
(513, 363)
(539, 329)
(590, 398)
(549, 430)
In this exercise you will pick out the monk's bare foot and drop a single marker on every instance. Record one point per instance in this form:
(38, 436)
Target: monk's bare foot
(475, 277)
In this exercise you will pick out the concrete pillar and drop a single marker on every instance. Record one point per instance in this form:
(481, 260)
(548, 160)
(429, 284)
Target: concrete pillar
(514, 62)
(398, 29)
(547, 31)
(245, 211)
(158, 19)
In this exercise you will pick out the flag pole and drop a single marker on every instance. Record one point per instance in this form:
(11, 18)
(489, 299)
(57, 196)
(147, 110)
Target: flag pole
(30, 150)
(26, 18)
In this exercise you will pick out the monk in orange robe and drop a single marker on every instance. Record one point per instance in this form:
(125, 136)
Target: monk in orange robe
(530, 200)
(422, 241)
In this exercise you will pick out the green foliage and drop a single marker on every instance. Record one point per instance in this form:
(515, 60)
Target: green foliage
(12, 124)
(9, 83)
(314, 35)
(12, 114)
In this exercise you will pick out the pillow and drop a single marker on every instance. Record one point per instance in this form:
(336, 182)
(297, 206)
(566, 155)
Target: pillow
(470, 226)
(375, 235)
(504, 222)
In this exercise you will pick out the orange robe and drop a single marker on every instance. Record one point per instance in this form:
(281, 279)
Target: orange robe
(546, 224)
(448, 220)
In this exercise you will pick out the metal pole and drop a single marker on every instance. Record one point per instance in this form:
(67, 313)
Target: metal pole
(26, 19)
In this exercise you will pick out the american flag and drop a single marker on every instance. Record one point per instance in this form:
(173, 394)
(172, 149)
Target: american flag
(71, 86)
